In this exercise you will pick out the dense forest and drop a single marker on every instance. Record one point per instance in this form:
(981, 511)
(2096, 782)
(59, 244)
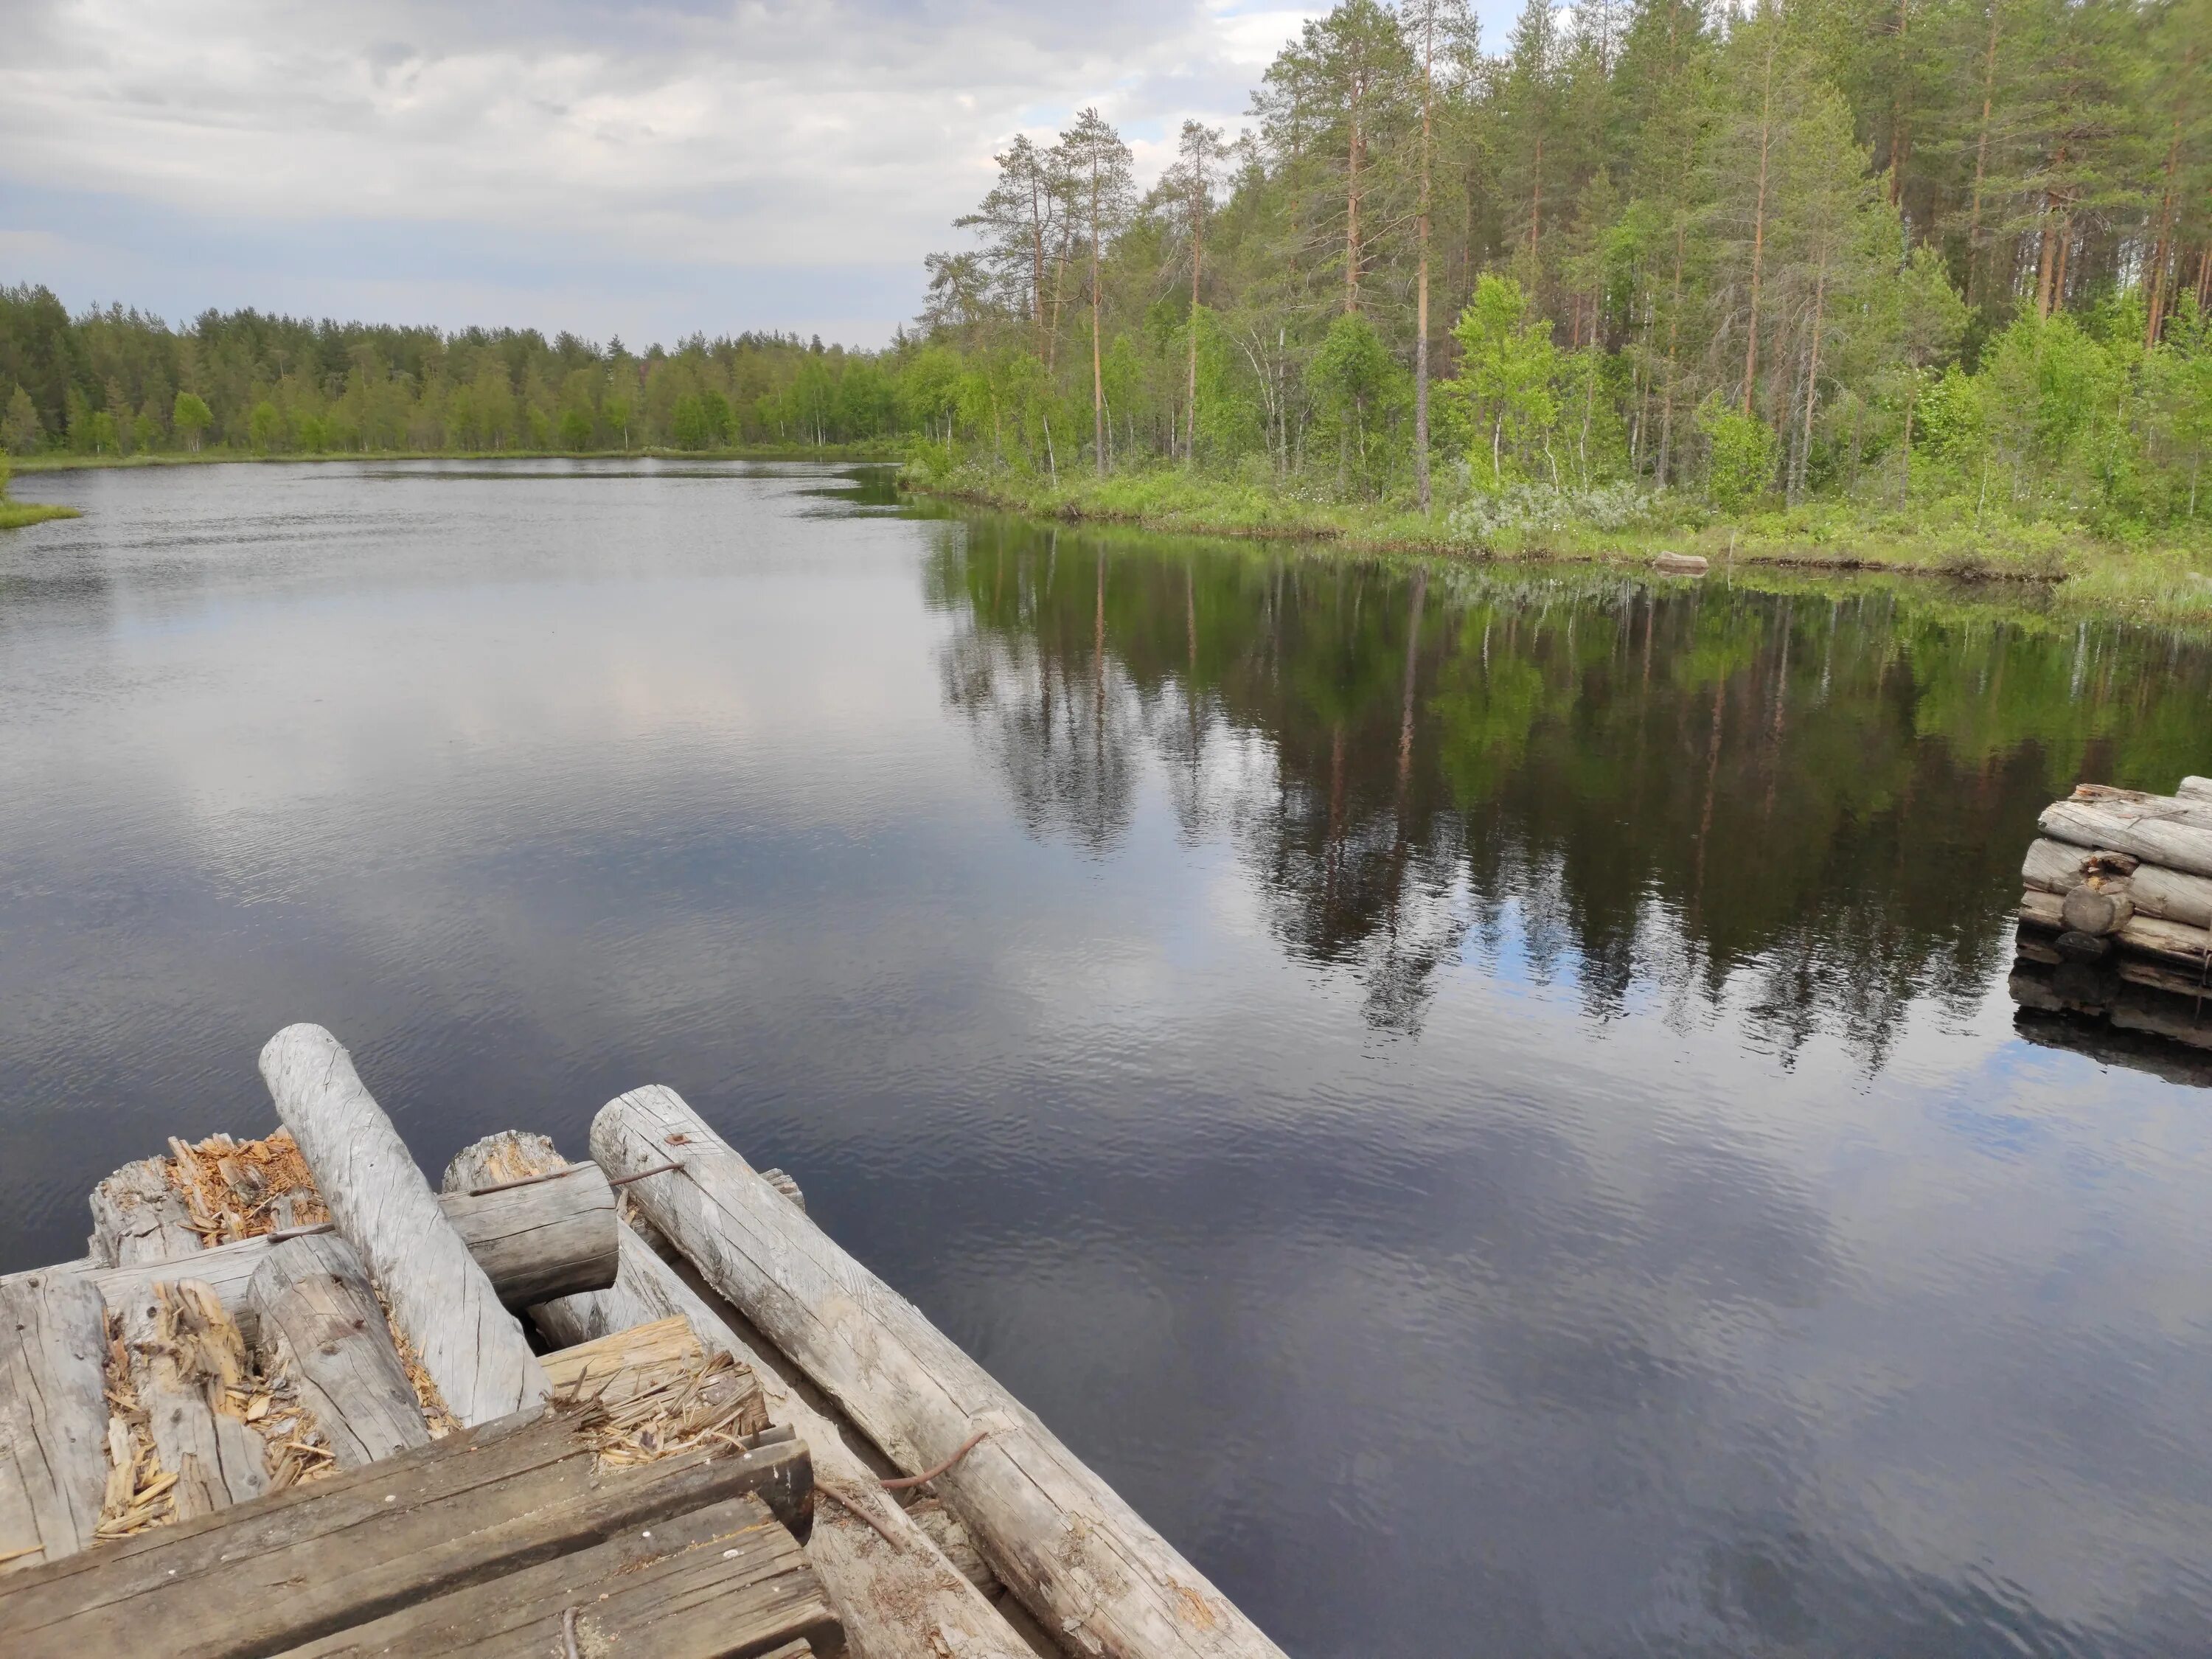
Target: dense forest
(1885, 251)
(117, 382)
(1951, 258)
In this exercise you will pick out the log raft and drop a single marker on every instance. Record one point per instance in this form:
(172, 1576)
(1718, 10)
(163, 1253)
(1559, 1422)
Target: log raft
(293, 1402)
(2116, 913)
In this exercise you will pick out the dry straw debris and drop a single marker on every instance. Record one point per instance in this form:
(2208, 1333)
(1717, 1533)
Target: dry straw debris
(238, 1189)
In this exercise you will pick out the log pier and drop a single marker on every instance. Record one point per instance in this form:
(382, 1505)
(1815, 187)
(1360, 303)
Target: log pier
(293, 1402)
(2116, 913)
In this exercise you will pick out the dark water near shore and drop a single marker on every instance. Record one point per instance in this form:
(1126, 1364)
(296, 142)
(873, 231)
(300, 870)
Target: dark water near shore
(1484, 1101)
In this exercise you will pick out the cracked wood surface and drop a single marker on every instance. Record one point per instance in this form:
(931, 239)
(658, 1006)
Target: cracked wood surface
(1085, 1564)
(442, 1301)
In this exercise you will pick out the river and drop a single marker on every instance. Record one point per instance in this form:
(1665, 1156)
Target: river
(1482, 1098)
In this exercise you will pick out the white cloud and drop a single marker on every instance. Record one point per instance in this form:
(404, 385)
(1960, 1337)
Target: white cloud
(762, 133)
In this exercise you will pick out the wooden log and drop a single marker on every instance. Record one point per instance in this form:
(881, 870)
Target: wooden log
(320, 1320)
(2184, 847)
(138, 1216)
(312, 1559)
(53, 1416)
(2168, 941)
(185, 1355)
(2195, 789)
(722, 1582)
(895, 1590)
(1084, 1562)
(442, 1303)
(2096, 910)
(2053, 866)
(530, 1242)
(2177, 808)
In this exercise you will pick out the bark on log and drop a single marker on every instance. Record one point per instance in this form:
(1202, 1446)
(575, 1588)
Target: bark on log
(896, 1595)
(54, 1415)
(2184, 847)
(185, 1355)
(138, 1216)
(1064, 1542)
(319, 1320)
(440, 1299)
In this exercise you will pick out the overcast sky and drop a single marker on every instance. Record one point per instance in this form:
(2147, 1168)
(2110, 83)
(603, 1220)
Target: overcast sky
(640, 169)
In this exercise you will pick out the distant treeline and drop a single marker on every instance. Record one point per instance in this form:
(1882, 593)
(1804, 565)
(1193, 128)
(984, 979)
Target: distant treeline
(118, 382)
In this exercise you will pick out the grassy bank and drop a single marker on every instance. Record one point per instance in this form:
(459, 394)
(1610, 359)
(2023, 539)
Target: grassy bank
(2159, 583)
(14, 514)
(63, 461)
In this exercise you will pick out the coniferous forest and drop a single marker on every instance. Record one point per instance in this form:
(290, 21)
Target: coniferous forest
(1926, 263)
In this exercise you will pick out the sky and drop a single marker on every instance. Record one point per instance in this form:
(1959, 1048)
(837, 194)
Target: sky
(645, 170)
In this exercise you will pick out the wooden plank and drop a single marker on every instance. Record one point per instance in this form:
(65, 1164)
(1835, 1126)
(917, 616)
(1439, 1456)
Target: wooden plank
(302, 1563)
(53, 1416)
(1084, 1562)
(440, 1300)
(895, 1591)
(138, 1216)
(565, 1257)
(2186, 847)
(319, 1322)
(185, 1354)
(722, 1582)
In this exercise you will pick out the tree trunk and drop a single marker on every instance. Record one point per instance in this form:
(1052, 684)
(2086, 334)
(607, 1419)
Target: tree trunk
(1758, 221)
(1421, 279)
(1097, 356)
(1812, 375)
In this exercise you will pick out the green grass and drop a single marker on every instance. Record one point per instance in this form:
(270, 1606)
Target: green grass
(63, 461)
(14, 515)
(2163, 582)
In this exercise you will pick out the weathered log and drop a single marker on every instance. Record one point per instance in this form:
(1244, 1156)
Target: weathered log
(470, 1346)
(895, 1590)
(185, 1355)
(320, 1320)
(312, 1560)
(2196, 789)
(2168, 941)
(1064, 1542)
(2096, 910)
(2054, 867)
(2114, 995)
(2184, 847)
(552, 1238)
(2179, 809)
(722, 1581)
(53, 1416)
(138, 1216)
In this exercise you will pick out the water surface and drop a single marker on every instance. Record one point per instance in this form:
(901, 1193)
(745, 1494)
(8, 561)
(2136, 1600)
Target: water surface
(1483, 1100)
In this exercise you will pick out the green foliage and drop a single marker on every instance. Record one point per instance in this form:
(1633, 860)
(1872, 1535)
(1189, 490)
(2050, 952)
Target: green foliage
(1743, 451)
(1359, 392)
(19, 427)
(1507, 384)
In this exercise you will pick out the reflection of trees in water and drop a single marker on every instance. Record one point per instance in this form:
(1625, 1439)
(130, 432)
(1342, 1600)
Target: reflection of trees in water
(1811, 805)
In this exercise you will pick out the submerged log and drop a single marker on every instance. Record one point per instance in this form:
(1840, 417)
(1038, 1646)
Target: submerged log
(185, 1355)
(54, 1415)
(139, 1216)
(896, 1591)
(1084, 1562)
(320, 1320)
(440, 1300)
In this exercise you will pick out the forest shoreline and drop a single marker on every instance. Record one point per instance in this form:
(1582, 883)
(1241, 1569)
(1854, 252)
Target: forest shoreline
(2163, 587)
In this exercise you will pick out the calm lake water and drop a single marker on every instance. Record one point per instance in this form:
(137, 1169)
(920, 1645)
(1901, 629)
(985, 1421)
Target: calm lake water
(1484, 1101)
